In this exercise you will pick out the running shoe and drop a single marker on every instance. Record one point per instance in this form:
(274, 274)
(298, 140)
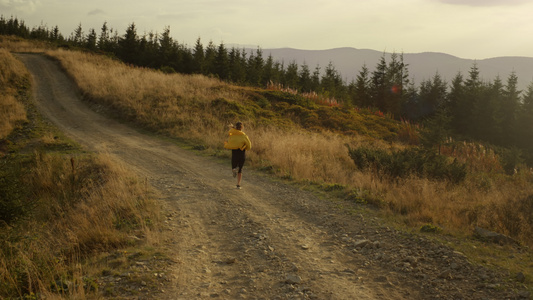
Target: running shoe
(238, 187)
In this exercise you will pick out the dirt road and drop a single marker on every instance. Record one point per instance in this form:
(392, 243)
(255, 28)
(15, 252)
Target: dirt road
(268, 240)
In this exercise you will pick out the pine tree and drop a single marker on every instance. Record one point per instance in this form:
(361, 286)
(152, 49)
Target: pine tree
(40, 32)
(271, 74)
(114, 38)
(14, 27)
(237, 66)
(255, 68)
(362, 96)
(485, 121)
(77, 36)
(91, 40)
(473, 88)
(291, 75)
(411, 104)
(304, 79)
(525, 124)
(3, 27)
(258, 65)
(209, 59)
(148, 49)
(243, 62)
(331, 82)
(432, 95)
(199, 57)
(222, 69)
(168, 53)
(396, 78)
(436, 130)
(56, 35)
(277, 71)
(315, 79)
(186, 59)
(454, 104)
(128, 46)
(379, 84)
(104, 41)
(509, 109)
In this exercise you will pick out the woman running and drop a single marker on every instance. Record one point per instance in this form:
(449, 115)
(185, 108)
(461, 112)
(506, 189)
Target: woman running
(238, 142)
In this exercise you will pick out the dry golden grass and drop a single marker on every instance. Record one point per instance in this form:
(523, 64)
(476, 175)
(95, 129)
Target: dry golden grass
(12, 111)
(175, 104)
(99, 196)
(17, 44)
(83, 206)
(180, 105)
(496, 202)
(304, 155)
(67, 209)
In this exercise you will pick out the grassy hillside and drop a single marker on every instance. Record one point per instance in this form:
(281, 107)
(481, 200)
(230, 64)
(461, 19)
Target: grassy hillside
(60, 208)
(299, 139)
(304, 141)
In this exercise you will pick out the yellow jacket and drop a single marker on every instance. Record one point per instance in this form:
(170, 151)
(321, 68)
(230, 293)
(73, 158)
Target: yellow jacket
(237, 140)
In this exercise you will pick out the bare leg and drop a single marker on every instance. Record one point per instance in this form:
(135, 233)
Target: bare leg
(239, 177)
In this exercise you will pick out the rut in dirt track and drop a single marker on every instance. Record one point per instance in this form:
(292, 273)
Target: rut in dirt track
(266, 241)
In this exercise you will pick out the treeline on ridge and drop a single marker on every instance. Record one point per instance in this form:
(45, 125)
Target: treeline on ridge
(469, 108)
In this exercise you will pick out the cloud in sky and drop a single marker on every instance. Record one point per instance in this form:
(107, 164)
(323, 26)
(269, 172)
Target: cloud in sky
(96, 12)
(20, 6)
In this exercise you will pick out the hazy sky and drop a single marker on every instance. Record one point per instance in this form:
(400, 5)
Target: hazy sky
(473, 29)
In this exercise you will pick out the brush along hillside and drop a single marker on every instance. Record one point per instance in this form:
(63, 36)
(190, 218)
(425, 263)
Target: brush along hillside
(360, 154)
(62, 211)
(388, 163)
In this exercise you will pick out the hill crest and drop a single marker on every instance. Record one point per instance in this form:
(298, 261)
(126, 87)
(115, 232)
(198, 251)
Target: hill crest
(422, 66)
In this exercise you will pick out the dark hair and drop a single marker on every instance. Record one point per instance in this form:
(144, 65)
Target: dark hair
(238, 125)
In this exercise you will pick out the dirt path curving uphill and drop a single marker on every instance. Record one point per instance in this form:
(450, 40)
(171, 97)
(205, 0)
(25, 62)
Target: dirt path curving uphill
(268, 240)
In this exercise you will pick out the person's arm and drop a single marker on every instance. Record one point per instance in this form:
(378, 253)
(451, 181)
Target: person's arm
(247, 143)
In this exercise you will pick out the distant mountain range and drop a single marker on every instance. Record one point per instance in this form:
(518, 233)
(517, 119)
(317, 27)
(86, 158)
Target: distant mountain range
(421, 66)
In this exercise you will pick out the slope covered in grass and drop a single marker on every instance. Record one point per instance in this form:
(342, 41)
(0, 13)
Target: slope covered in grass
(59, 206)
(298, 139)
(303, 140)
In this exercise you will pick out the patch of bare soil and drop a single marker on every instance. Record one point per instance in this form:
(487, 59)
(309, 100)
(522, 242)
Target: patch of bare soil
(267, 240)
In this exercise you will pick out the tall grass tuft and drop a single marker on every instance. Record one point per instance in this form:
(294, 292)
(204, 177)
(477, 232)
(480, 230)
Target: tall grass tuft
(78, 207)
(17, 44)
(13, 77)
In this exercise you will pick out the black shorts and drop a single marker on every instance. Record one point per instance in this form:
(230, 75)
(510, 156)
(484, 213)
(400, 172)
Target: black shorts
(238, 157)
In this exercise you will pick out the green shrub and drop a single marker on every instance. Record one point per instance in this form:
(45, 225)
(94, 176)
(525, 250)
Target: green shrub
(304, 116)
(229, 110)
(510, 159)
(333, 187)
(430, 228)
(167, 70)
(294, 99)
(362, 196)
(413, 161)
(260, 100)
